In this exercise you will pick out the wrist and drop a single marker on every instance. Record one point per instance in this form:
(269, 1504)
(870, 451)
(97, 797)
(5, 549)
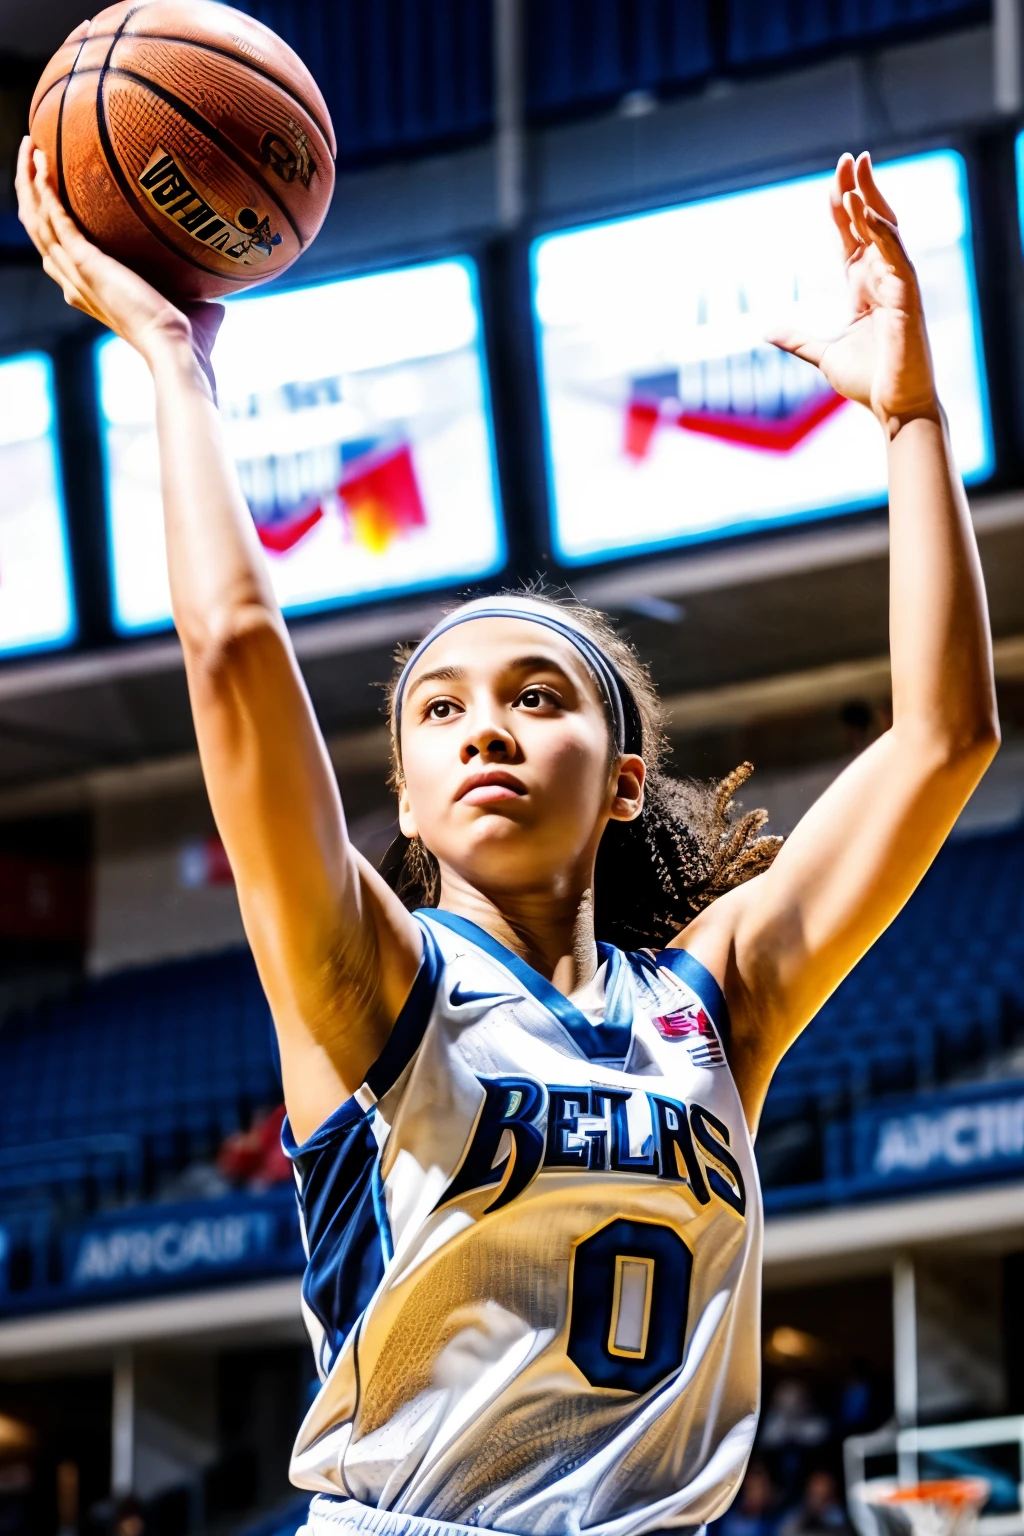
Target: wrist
(164, 339)
(172, 357)
(894, 422)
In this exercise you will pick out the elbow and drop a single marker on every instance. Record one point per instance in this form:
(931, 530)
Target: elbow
(967, 752)
(233, 640)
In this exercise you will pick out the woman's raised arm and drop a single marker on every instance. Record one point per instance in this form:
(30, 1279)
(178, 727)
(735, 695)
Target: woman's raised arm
(317, 916)
(785, 941)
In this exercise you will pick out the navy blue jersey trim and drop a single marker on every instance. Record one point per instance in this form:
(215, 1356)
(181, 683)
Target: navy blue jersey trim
(338, 1120)
(700, 980)
(604, 1042)
(347, 1233)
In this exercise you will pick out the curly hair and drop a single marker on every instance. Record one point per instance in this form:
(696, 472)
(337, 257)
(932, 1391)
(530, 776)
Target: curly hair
(689, 845)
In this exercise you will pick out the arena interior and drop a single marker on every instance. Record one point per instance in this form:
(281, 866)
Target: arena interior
(153, 1363)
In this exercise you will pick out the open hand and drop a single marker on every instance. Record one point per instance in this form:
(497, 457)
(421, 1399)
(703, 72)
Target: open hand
(882, 359)
(97, 284)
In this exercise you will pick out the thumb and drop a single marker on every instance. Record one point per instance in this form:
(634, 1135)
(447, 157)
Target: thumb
(810, 348)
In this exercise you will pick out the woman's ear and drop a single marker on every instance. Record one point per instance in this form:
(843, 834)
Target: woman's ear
(406, 820)
(629, 788)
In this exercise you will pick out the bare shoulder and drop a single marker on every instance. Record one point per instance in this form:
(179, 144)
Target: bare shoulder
(711, 937)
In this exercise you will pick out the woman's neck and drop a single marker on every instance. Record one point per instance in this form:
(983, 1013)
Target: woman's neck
(554, 934)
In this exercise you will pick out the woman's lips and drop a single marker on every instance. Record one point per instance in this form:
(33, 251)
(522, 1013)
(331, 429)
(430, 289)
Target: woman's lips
(484, 794)
(487, 788)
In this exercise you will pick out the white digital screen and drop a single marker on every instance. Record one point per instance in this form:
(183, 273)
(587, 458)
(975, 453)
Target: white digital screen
(36, 603)
(358, 415)
(669, 419)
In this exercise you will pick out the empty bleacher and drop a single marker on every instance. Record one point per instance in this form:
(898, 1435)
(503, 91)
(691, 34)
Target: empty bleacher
(937, 1001)
(177, 1056)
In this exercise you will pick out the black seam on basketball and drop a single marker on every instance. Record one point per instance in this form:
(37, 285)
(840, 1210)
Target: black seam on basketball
(225, 53)
(207, 129)
(117, 170)
(52, 87)
(62, 186)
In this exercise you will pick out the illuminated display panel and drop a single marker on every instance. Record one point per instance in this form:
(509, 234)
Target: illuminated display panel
(358, 416)
(36, 603)
(668, 419)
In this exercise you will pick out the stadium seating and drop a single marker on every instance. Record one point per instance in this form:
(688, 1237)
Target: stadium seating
(940, 995)
(111, 1094)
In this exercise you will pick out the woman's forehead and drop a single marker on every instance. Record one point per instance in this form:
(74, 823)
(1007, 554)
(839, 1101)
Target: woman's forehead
(490, 646)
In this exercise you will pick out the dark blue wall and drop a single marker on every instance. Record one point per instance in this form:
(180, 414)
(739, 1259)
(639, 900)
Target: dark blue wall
(400, 77)
(771, 32)
(585, 54)
(408, 77)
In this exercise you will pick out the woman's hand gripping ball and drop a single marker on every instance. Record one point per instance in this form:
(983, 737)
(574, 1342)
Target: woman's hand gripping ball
(98, 285)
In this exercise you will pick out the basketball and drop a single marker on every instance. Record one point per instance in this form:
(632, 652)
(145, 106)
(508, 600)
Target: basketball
(189, 142)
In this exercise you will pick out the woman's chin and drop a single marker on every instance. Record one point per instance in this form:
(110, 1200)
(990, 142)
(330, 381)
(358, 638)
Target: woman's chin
(505, 857)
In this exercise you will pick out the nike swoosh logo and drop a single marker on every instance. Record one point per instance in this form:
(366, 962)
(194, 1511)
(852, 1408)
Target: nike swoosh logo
(459, 996)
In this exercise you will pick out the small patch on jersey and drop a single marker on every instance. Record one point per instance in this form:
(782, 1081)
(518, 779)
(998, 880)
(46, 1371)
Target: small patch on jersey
(692, 1024)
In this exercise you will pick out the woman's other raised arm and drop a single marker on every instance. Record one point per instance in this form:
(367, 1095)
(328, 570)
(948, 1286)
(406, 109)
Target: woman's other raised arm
(785, 941)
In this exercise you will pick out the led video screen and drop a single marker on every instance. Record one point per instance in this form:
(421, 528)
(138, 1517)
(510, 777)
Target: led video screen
(669, 419)
(357, 413)
(36, 603)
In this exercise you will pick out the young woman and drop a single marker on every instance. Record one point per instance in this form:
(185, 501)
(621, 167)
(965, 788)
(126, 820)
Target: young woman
(524, 1156)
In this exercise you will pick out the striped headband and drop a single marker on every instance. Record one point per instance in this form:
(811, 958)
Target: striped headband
(615, 691)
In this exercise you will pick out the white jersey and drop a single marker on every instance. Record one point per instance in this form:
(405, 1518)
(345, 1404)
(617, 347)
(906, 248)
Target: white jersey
(534, 1242)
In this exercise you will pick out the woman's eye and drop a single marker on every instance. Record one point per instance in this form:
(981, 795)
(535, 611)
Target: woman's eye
(533, 698)
(441, 709)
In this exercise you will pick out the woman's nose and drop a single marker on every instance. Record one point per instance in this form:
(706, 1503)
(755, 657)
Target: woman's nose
(488, 740)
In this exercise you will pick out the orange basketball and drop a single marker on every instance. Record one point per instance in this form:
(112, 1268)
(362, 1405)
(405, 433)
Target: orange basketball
(188, 141)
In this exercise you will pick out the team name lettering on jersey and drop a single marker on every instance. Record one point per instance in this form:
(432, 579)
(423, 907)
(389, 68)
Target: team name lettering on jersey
(588, 1129)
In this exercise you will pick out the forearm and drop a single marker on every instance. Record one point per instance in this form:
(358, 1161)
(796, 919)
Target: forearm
(941, 650)
(216, 566)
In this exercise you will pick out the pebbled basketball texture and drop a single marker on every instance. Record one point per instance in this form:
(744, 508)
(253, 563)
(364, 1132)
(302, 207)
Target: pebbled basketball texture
(189, 142)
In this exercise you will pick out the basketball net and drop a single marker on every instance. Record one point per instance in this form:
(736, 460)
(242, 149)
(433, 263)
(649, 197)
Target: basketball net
(946, 1508)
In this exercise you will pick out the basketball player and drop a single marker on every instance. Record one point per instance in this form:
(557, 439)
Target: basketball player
(524, 1155)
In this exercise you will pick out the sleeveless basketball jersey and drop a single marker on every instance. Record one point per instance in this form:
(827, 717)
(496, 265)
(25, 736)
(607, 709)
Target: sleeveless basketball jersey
(534, 1241)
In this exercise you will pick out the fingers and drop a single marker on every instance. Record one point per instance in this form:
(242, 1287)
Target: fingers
(868, 188)
(28, 193)
(843, 181)
(53, 232)
(863, 215)
(856, 213)
(64, 228)
(873, 229)
(810, 348)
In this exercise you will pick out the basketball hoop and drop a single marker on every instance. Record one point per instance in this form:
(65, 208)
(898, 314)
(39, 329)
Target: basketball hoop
(949, 1507)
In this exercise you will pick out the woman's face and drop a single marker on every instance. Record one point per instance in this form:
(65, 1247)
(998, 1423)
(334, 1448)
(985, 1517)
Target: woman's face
(508, 778)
